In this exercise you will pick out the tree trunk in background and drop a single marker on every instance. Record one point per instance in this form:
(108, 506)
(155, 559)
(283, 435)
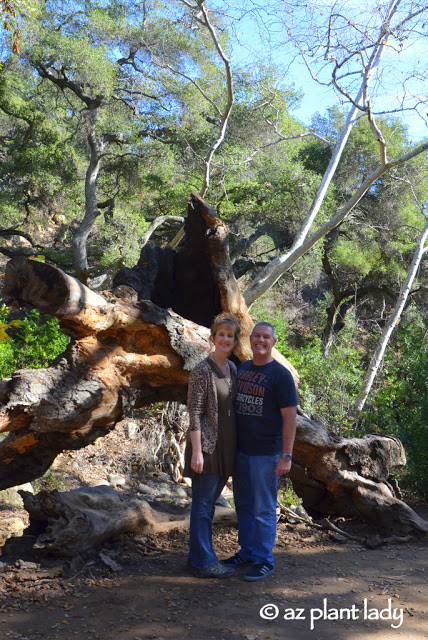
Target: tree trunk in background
(136, 345)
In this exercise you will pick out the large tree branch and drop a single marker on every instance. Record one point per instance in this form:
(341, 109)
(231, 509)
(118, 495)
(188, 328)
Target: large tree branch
(64, 82)
(83, 395)
(158, 222)
(230, 99)
(281, 264)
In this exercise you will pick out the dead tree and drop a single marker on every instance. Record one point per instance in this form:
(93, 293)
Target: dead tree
(136, 345)
(76, 522)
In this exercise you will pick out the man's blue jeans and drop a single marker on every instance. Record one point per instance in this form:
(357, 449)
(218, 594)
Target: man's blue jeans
(255, 487)
(205, 491)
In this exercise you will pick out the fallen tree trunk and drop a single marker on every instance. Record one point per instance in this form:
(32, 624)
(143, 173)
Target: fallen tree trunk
(88, 390)
(79, 521)
(136, 345)
(126, 350)
(352, 477)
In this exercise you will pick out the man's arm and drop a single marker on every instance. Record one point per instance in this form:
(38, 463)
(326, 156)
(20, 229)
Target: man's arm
(288, 434)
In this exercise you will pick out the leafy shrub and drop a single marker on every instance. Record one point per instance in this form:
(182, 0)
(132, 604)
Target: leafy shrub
(31, 342)
(400, 406)
(328, 383)
(286, 494)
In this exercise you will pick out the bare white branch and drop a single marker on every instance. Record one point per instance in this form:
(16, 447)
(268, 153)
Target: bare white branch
(230, 99)
(376, 360)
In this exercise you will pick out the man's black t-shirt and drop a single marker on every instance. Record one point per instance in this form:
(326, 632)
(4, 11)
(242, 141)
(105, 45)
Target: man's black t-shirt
(262, 392)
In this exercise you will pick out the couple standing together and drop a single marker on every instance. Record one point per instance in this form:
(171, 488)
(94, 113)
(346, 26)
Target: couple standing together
(242, 424)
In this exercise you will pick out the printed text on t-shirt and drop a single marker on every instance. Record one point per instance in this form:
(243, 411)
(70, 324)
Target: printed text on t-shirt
(250, 392)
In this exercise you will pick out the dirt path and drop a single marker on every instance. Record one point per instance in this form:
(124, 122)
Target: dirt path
(151, 595)
(380, 593)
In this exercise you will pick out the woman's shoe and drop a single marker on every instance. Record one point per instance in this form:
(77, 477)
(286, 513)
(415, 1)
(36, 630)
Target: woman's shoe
(215, 571)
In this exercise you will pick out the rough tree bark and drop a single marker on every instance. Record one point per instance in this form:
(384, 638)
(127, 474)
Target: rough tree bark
(136, 344)
(352, 477)
(129, 347)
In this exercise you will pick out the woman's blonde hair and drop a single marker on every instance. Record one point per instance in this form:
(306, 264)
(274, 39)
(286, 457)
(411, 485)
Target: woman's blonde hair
(226, 318)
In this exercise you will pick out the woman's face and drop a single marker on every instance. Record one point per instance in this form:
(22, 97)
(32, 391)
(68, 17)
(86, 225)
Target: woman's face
(224, 339)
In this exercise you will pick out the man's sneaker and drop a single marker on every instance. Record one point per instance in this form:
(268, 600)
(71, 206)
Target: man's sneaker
(259, 572)
(215, 571)
(235, 561)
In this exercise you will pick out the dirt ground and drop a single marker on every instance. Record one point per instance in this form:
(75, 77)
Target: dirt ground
(321, 590)
(139, 588)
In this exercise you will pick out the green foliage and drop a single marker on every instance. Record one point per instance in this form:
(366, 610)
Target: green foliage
(52, 480)
(328, 382)
(286, 495)
(400, 406)
(315, 156)
(118, 239)
(38, 169)
(356, 254)
(5, 327)
(33, 343)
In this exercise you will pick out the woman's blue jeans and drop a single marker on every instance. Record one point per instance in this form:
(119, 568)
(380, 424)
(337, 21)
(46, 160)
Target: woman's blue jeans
(255, 488)
(205, 491)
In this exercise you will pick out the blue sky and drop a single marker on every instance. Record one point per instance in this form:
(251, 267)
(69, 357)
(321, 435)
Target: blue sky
(318, 99)
(261, 33)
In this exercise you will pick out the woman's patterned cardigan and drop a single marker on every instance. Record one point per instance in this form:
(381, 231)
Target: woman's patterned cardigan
(202, 404)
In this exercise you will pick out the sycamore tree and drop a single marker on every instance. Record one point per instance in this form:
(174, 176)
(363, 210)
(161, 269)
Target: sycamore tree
(393, 320)
(365, 256)
(361, 57)
(351, 52)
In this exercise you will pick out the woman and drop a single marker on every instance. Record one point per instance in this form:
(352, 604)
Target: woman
(211, 448)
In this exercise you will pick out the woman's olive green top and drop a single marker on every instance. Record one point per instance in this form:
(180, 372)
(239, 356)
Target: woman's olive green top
(222, 460)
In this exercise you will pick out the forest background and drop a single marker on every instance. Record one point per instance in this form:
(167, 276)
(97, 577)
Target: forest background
(112, 113)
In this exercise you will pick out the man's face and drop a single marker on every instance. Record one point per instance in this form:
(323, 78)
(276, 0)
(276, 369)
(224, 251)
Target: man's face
(262, 341)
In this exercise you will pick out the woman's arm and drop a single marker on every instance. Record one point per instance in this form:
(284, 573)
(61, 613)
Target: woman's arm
(196, 397)
(197, 459)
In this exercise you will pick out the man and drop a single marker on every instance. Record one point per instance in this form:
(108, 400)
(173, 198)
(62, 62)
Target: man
(266, 422)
